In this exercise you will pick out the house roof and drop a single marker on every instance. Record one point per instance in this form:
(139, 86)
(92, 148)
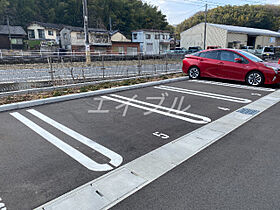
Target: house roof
(49, 25)
(80, 29)
(119, 37)
(152, 30)
(14, 30)
(113, 32)
(246, 30)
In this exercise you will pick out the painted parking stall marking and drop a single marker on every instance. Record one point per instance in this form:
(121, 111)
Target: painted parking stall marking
(2, 205)
(204, 94)
(256, 94)
(158, 162)
(197, 119)
(224, 108)
(161, 135)
(115, 159)
(233, 85)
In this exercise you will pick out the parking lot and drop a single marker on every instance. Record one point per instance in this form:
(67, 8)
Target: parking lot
(47, 151)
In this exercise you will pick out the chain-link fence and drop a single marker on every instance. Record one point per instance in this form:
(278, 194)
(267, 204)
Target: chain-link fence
(62, 71)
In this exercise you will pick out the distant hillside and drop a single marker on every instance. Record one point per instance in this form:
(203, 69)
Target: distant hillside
(255, 16)
(126, 15)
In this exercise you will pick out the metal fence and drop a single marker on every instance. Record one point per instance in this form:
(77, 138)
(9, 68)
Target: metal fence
(60, 71)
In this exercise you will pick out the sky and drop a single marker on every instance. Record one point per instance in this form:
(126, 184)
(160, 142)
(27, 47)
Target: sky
(179, 10)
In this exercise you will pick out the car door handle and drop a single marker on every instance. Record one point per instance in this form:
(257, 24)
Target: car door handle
(221, 63)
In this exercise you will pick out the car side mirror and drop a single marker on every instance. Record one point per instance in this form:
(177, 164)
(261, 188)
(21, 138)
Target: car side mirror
(238, 60)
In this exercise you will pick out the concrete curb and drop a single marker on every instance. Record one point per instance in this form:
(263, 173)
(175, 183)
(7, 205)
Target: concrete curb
(26, 104)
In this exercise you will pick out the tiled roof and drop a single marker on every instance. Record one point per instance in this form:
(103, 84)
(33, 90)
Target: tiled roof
(14, 30)
(152, 30)
(72, 28)
(49, 25)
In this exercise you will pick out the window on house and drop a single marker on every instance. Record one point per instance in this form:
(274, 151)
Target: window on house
(80, 35)
(148, 36)
(41, 33)
(50, 33)
(16, 41)
(120, 50)
(135, 36)
(157, 36)
(272, 39)
(31, 34)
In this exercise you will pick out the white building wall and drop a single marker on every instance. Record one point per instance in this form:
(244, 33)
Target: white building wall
(216, 37)
(194, 37)
(36, 27)
(267, 41)
(118, 37)
(75, 40)
(152, 45)
(235, 37)
(65, 35)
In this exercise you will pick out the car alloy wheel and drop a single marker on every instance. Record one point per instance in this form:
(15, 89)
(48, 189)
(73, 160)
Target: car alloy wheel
(194, 73)
(255, 79)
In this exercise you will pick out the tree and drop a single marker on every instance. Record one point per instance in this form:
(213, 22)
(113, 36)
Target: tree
(3, 6)
(126, 15)
(254, 16)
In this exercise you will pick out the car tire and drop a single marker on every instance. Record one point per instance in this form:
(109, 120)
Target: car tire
(194, 72)
(254, 78)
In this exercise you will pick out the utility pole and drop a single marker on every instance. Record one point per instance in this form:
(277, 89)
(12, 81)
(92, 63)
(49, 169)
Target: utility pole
(10, 38)
(87, 47)
(205, 27)
(110, 22)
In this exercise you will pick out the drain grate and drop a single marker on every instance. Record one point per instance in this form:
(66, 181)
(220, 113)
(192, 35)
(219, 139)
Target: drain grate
(248, 111)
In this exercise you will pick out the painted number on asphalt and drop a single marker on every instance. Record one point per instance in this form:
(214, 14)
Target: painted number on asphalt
(161, 135)
(115, 159)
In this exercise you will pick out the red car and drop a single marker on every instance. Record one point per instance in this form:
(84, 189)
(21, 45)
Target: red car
(231, 64)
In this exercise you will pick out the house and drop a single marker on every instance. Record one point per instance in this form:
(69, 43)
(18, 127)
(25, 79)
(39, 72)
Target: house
(152, 41)
(122, 45)
(44, 31)
(228, 36)
(12, 37)
(73, 39)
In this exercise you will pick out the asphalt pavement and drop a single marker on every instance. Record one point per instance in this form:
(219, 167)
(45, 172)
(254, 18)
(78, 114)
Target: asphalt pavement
(49, 150)
(241, 171)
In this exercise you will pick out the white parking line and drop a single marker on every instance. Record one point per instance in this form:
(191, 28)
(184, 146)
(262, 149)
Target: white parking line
(115, 159)
(201, 119)
(256, 94)
(117, 185)
(224, 108)
(204, 94)
(72, 152)
(233, 85)
(2, 205)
